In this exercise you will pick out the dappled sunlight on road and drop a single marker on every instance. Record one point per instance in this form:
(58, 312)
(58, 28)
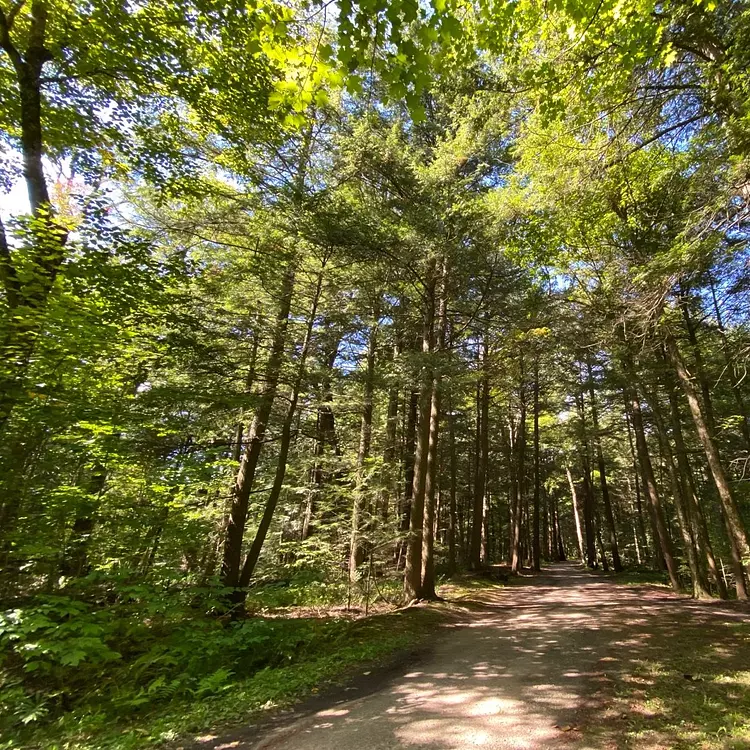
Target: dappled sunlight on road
(440, 713)
(528, 669)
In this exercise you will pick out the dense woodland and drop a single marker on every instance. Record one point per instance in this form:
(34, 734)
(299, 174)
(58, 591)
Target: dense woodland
(334, 300)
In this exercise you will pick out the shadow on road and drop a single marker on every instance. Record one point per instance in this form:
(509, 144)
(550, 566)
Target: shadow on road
(563, 659)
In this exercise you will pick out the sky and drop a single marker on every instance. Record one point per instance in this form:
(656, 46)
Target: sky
(15, 202)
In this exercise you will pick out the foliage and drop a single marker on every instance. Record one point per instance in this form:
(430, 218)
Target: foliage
(175, 667)
(335, 303)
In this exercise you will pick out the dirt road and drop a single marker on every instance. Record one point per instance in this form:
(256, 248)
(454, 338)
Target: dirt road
(524, 671)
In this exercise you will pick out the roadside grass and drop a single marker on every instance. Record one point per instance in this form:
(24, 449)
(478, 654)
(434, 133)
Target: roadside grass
(637, 577)
(634, 577)
(686, 687)
(300, 656)
(463, 587)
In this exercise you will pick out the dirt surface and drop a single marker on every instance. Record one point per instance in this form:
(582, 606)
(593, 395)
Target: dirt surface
(532, 666)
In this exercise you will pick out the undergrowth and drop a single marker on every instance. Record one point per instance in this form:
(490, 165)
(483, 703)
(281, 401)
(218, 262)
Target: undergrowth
(142, 665)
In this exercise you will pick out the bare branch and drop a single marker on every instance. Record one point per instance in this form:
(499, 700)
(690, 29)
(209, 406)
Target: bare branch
(656, 137)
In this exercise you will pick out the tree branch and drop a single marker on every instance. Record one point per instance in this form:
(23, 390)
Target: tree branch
(655, 137)
(8, 273)
(6, 43)
(13, 12)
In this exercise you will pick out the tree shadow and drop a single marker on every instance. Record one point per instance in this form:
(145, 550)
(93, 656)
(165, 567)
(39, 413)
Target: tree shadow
(565, 659)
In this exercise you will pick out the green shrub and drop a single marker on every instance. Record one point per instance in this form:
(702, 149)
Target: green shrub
(139, 646)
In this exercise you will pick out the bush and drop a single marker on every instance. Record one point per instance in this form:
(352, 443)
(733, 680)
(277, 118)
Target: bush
(136, 647)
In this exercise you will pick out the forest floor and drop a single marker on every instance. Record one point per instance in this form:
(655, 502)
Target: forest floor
(564, 659)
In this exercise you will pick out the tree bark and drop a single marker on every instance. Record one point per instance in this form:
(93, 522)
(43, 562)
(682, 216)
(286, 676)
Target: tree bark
(75, 558)
(679, 494)
(576, 514)
(389, 489)
(700, 370)
(638, 505)
(549, 543)
(649, 486)
(588, 493)
(606, 502)
(251, 560)
(588, 510)
(431, 480)
(483, 396)
(452, 523)
(413, 568)
(27, 295)
(518, 484)
(697, 517)
(536, 548)
(561, 556)
(243, 484)
(230, 568)
(325, 434)
(735, 526)
(356, 545)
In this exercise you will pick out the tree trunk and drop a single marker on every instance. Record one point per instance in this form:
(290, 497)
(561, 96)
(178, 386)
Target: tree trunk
(608, 515)
(588, 510)
(480, 477)
(251, 560)
(536, 548)
(700, 370)
(679, 494)
(428, 563)
(389, 476)
(389, 489)
(638, 505)
(230, 567)
(249, 381)
(523, 495)
(649, 487)
(357, 546)
(452, 523)
(588, 492)
(410, 443)
(431, 480)
(600, 543)
(243, 484)
(735, 526)
(576, 514)
(519, 484)
(325, 434)
(413, 568)
(75, 558)
(549, 543)
(561, 556)
(697, 517)
(27, 293)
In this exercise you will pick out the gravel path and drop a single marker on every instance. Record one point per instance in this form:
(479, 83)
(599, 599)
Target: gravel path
(521, 672)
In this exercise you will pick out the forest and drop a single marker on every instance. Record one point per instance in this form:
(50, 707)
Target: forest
(310, 309)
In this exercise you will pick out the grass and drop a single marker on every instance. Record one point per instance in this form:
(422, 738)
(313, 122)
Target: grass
(686, 687)
(633, 576)
(637, 577)
(693, 697)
